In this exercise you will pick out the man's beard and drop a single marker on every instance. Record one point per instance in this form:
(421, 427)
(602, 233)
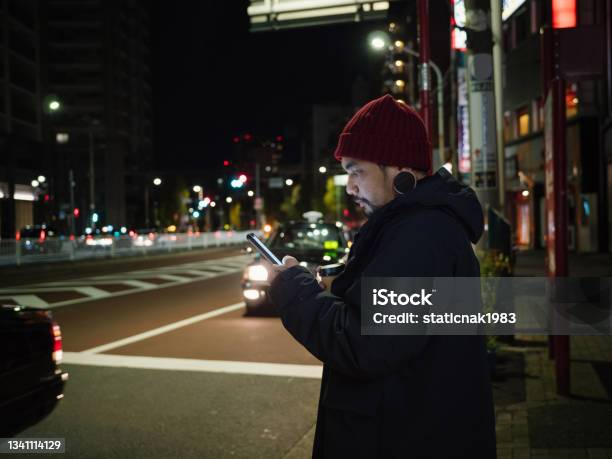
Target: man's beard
(369, 208)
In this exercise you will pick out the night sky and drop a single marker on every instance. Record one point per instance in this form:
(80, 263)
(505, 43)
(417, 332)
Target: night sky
(215, 79)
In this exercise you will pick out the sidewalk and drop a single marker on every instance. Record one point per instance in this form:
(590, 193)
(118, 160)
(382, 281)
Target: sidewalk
(546, 425)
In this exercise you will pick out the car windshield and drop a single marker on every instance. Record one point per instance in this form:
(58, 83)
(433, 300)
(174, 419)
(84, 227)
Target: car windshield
(308, 236)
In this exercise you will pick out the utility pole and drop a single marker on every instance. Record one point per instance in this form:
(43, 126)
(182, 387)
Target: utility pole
(496, 27)
(424, 80)
(92, 179)
(481, 103)
(71, 215)
(146, 204)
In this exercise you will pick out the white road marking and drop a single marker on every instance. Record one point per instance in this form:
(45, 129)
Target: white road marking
(164, 329)
(29, 300)
(173, 278)
(213, 366)
(92, 292)
(136, 279)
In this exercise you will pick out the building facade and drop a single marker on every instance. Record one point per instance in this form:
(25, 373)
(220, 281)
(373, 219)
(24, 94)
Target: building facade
(20, 113)
(587, 108)
(97, 61)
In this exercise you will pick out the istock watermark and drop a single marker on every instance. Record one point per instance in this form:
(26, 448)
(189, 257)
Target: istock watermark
(491, 305)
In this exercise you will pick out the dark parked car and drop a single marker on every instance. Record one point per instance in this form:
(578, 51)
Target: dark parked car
(313, 244)
(30, 380)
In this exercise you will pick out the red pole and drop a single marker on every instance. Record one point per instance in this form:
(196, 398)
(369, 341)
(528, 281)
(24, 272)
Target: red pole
(425, 80)
(561, 342)
(556, 196)
(546, 70)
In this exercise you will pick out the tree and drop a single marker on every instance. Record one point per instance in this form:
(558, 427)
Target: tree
(234, 215)
(330, 199)
(291, 206)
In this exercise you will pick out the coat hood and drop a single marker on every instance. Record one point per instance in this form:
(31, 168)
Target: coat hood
(442, 190)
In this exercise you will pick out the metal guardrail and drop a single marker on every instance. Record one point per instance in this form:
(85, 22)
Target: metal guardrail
(33, 250)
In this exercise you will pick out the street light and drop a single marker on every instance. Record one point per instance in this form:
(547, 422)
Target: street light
(250, 193)
(228, 200)
(288, 182)
(41, 178)
(197, 188)
(399, 46)
(378, 40)
(157, 181)
(322, 169)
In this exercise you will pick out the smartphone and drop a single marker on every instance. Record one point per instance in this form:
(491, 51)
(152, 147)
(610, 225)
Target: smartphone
(263, 249)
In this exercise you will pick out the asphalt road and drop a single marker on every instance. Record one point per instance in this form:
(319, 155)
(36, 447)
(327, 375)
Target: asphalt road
(163, 362)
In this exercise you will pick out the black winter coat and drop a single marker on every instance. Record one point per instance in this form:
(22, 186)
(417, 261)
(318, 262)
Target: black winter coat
(397, 396)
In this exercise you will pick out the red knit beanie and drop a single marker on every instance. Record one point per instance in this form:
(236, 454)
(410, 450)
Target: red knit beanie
(388, 133)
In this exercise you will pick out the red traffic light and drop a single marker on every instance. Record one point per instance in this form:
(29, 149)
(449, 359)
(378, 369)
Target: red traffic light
(76, 212)
(226, 163)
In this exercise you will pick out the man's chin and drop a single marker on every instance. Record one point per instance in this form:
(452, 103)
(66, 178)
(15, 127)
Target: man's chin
(368, 210)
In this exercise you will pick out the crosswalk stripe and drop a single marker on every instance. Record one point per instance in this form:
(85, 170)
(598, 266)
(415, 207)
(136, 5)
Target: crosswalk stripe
(30, 300)
(93, 287)
(92, 292)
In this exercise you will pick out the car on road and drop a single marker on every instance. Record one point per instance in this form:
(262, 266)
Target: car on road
(32, 382)
(312, 243)
(39, 239)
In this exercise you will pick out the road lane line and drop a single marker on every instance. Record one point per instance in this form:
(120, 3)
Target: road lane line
(164, 329)
(212, 366)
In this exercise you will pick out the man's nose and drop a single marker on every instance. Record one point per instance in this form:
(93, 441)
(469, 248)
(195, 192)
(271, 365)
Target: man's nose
(351, 188)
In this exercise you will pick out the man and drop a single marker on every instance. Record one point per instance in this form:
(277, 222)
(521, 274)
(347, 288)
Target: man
(393, 396)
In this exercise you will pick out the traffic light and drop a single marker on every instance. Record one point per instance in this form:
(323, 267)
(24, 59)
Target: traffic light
(76, 212)
(226, 163)
(236, 183)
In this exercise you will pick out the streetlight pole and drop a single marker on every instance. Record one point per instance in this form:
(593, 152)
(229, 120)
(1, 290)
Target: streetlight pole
(378, 43)
(92, 178)
(257, 197)
(439, 100)
(72, 216)
(423, 33)
(146, 204)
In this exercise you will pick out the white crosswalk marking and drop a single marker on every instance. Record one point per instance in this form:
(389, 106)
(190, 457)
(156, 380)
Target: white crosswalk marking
(125, 283)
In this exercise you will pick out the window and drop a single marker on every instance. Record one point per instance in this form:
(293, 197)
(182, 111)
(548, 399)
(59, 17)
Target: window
(523, 122)
(571, 100)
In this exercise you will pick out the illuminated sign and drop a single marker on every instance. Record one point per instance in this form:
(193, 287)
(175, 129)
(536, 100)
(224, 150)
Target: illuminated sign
(510, 6)
(458, 36)
(463, 127)
(563, 14)
(283, 14)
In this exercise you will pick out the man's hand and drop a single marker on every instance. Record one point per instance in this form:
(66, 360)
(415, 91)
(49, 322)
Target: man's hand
(275, 270)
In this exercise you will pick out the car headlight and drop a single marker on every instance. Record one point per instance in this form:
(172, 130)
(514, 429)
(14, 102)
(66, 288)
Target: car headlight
(257, 273)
